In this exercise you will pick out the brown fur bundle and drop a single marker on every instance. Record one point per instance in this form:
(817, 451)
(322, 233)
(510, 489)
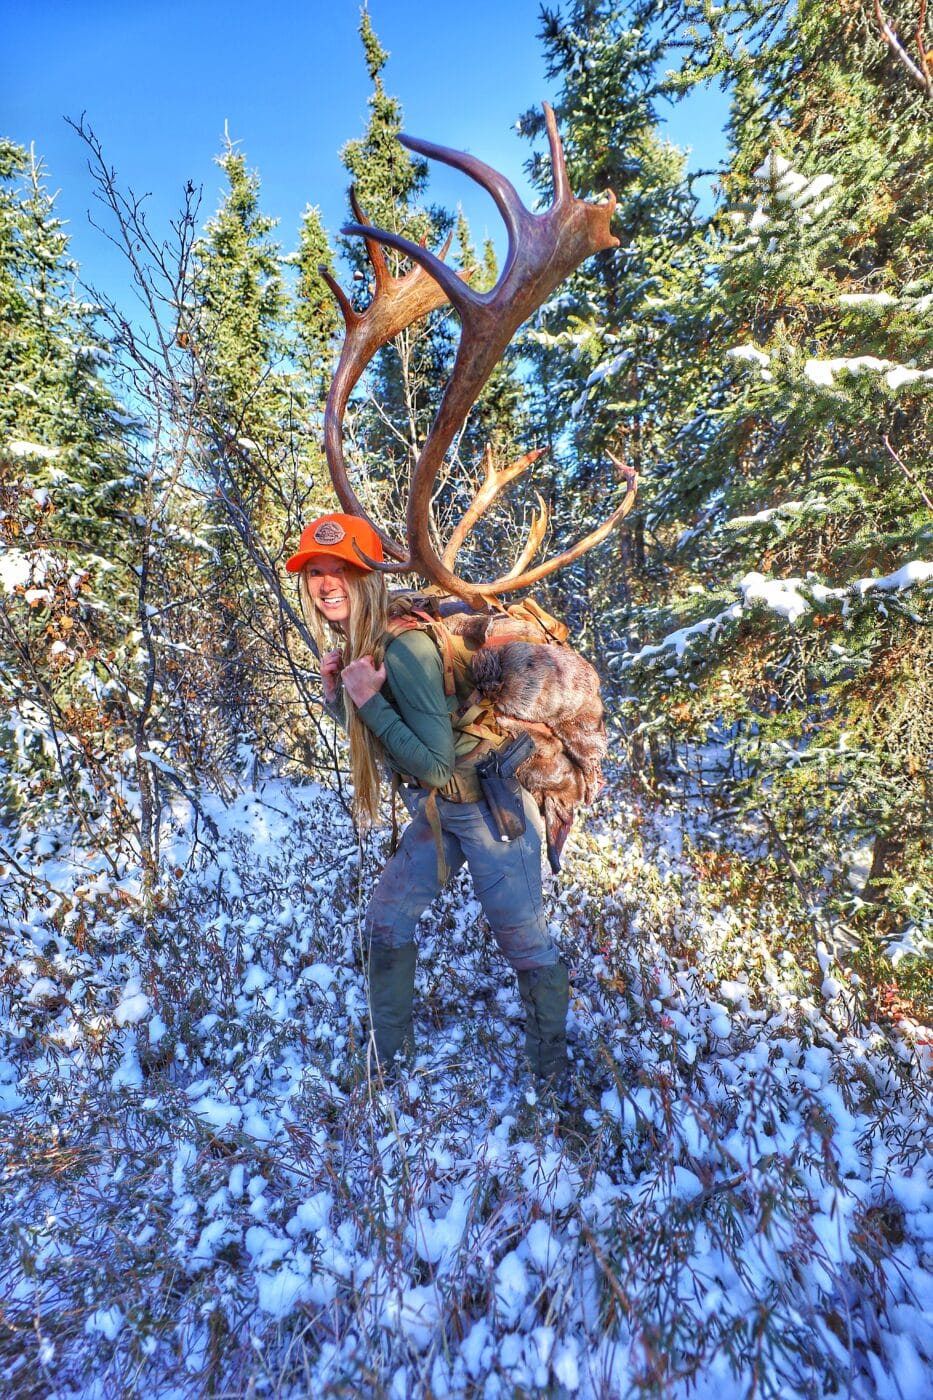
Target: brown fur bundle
(551, 692)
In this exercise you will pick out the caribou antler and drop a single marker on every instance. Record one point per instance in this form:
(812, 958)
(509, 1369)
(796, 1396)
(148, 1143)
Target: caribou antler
(543, 250)
(397, 302)
(493, 482)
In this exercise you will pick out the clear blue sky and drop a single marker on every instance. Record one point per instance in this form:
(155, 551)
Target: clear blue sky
(158, 79)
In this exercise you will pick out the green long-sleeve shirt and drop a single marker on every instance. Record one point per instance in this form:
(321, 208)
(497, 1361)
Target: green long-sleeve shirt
(413, 726)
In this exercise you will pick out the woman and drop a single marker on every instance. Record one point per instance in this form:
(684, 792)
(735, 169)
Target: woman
(397, 714)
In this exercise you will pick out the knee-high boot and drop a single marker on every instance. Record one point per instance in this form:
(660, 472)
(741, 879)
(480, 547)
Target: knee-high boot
(391, 989)
(545, 995)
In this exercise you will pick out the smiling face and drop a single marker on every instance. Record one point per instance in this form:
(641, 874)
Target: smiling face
(327, 578)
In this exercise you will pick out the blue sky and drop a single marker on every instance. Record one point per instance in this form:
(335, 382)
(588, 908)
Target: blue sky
(159, 80)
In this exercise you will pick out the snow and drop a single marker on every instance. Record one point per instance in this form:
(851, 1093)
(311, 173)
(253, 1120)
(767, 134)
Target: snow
(312, 1215)
(133, 1006)
(416, 1312)
(218, 1114)
(823, 372)
(107, 1321)
(281, 1292)
(749, 352)
(213, 1143)
(788, 598)
(913, 943)
(512, 1285)
(18, 447)
(907, 576)
(867, 299)
(788, 186)
(761, 517)
(681, 639)
(781, 596)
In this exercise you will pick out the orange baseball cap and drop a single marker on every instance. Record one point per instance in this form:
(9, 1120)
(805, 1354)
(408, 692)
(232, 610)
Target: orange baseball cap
(336, 535)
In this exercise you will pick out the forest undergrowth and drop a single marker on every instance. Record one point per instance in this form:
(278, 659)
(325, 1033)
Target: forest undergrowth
(207, 1193)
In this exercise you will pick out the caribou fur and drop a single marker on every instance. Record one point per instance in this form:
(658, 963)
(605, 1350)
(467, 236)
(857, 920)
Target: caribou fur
(551, 692)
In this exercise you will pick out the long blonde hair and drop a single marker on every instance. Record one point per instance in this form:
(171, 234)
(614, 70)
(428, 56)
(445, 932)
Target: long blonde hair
(363, 632)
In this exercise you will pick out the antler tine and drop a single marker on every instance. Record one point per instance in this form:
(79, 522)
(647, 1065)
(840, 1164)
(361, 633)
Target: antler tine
(539, 524)
(377, 257)
(350, 316)
(397, 302)
(543, 250)
(494, 482)
(454, 288)
(511, 582)
(562, 191)
(503, 192)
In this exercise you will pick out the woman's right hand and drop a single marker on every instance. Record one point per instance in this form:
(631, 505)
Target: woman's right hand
(331, 666)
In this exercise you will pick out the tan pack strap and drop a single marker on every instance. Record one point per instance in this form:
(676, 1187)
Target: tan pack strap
(434, 822)
(394, 787)
(419, 621)
(444, 642)
(490, 732)
(556, 630)
(479, 720)
(466, 717)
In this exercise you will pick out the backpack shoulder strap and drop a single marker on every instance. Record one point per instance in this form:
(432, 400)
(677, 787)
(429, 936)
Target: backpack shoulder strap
(418, 621)
(445, 645)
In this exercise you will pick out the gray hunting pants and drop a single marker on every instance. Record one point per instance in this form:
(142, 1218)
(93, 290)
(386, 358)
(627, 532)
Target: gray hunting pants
(506, 878)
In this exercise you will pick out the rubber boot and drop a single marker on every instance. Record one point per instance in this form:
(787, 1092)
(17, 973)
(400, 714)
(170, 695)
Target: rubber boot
(545, 994)
(391, 990)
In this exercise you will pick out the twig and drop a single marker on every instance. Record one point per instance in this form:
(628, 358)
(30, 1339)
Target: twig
(920, 76)
(921, 47)
(906, 470)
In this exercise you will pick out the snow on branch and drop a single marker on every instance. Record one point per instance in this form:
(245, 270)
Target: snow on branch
(790, 598)
(823, 372)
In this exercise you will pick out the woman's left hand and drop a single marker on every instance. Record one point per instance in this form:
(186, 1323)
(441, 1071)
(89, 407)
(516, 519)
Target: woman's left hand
(362, 680)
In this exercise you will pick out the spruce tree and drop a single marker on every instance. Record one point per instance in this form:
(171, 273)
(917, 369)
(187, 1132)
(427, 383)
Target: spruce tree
(315, 312)
(257, 398)
(612, 368)
(67, 520)
(799, 544)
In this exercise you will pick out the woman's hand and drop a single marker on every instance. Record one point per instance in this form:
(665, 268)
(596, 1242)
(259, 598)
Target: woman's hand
(362, 680)
(331, 666)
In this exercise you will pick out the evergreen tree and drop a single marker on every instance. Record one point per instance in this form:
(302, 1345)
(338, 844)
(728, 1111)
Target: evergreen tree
(612, 362)
(238, 331)
(67, 503)
(62, 434)
(257, 398)
(800, 541)
(316, 315)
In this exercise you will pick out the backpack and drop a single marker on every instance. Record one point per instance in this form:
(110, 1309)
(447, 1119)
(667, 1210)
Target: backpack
(512, 671)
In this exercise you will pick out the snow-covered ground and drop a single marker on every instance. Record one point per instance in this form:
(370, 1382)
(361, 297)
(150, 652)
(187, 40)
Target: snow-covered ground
(204, 1192)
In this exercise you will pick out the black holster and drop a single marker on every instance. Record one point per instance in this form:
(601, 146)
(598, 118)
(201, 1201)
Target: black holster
(501, 789)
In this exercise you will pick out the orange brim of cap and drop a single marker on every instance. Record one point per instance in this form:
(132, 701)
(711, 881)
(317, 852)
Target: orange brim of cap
(338, 537)
(347, 554)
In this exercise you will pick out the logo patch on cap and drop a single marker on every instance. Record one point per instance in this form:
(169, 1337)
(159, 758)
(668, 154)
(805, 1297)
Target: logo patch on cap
(329, 532)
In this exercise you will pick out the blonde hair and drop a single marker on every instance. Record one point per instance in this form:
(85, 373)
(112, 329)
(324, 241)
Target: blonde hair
(364, 630)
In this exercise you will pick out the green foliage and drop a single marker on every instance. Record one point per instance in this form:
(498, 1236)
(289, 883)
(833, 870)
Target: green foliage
(316, 314)
(614, 361)
(67, 498)
(785, 541)
(240, 300)
(58, 419)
